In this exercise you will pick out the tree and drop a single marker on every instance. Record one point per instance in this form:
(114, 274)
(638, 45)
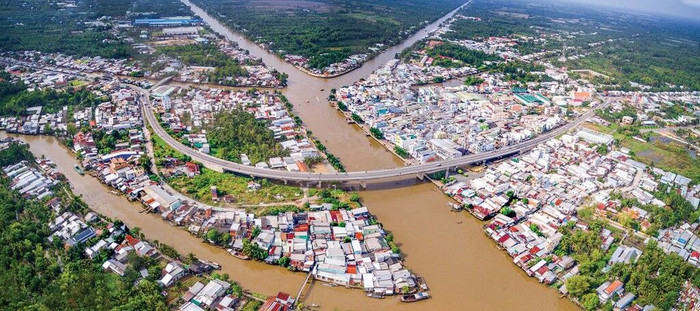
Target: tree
(377, 133)
(145, 163)
(213, 236)
(284, 261)
(191, 257)
(71, 129)
(590, 301)
(577, 285)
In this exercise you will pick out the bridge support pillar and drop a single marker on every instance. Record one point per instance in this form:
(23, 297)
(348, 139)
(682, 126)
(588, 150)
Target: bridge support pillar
(320, 184)
(420, 177)
(363, 185)
(285, 182)
(447, 173)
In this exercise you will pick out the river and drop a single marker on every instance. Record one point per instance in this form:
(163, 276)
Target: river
(463, 268)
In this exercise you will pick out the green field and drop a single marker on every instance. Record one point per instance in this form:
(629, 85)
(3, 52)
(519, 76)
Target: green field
(659, 152)
(199, 187)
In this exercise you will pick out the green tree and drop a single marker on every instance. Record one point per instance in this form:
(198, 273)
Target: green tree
(577, 285)
(590, 301)
(71, 129)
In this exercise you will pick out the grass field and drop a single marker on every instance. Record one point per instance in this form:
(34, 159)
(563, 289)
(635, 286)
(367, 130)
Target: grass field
(199, 187)
(662, 153)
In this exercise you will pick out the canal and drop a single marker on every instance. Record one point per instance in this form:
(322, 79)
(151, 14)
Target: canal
(462, 266)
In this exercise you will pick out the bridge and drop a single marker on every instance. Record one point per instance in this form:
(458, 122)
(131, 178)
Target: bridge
(418, 170)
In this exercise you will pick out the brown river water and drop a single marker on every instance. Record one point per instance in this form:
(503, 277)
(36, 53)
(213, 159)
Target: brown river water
(463, 268)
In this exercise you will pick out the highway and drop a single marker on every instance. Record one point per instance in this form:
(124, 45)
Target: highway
(221, 165)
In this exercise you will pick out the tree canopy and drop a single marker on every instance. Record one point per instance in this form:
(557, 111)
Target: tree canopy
(235, 132)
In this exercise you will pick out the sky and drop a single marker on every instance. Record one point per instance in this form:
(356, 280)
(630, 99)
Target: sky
(679, 8)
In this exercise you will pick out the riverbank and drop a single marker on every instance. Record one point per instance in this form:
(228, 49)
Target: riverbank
(401, 212)
(370, 55)
(348, 227)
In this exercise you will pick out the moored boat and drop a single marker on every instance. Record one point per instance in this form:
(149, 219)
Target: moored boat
(79, 170)
(375, 295)
(415, 297)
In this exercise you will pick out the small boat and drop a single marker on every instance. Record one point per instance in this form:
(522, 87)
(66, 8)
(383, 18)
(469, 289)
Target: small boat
(330, 285)
(323, 90)
(375, 295)
(79, 170)
(349, 121)
(307, 100)
(114, 192)
(455, 207)
(415, 297)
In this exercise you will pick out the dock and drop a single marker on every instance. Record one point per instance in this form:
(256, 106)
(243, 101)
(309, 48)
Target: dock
(303, 285)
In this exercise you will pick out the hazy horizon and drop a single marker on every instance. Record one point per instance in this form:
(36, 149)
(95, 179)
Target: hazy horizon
(689, 9)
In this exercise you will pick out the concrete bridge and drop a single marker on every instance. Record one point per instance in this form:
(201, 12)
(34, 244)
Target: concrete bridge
(411, 171)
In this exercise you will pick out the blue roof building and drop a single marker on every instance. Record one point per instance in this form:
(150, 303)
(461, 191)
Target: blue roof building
(166, 21)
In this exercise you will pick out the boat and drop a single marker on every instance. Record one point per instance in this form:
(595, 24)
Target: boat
(421, 283)
(375, 295)
(455, 207)
(79, 170)
(415, 297)
(323, 90)
(236, 254)
(349, 120)
(307, 100)
(114, 192)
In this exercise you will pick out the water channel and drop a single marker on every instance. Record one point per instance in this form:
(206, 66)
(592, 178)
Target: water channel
(464, 269)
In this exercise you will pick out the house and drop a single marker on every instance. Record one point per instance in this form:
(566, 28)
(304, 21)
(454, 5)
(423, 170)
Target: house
(281, 302)
(193, 291)
(607, 290)
(211, 292)
(157, 197)
(624, 301)
(624, 254)
(114, 266)
(173, 271)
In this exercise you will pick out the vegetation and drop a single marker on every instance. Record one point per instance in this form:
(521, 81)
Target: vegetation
(208, 55)
(327, 31)
(332, 159)
(13, 154)
(199, 186)
(655, 278)
(254, 251)
(521, 72)
(472, 81)
(649, 148)
(40, 275)
(401, 152)
(237, 131)
(41, 25)
(218, 238)
(453, 55)
(663, 56)
(14, 100)
(377, 133)
(357, 118)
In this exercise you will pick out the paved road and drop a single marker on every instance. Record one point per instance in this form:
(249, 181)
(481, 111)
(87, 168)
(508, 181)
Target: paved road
(413, 170)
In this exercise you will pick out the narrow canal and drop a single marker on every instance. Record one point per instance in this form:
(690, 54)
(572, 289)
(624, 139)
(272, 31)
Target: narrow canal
(462, 266)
